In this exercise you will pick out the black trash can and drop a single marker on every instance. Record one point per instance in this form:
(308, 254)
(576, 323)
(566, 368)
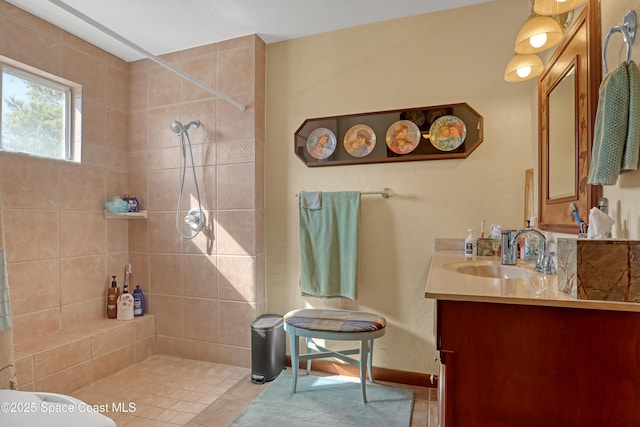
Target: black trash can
(268, 348)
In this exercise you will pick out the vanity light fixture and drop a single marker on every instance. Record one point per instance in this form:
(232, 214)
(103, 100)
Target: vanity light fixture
(556, 7)
(523, 67)
(538, 34)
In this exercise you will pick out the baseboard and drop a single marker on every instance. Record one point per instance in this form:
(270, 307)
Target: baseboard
(380, 374)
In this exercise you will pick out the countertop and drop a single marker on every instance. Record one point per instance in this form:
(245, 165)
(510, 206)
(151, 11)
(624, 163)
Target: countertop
(445, 283)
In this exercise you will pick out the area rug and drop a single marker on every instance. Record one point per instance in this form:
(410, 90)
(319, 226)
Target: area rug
(327, 401)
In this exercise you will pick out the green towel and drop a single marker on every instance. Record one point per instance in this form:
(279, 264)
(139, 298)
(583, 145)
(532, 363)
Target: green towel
(632, 147)
(329, 246)
(616, 140)
(311, 200)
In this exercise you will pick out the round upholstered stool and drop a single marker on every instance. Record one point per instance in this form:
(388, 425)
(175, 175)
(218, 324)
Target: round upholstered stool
(339, 325)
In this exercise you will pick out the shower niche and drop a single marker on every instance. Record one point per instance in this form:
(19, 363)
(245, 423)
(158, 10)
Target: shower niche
(451, 131)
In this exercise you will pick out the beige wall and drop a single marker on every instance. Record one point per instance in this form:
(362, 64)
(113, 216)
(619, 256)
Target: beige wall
(624, 204)
(446, 57)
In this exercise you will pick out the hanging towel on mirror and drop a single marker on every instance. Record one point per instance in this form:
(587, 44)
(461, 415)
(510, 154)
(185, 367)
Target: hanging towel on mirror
(329, 246)
(616, 140)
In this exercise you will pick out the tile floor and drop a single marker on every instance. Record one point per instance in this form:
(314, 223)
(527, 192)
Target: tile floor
(165, 391)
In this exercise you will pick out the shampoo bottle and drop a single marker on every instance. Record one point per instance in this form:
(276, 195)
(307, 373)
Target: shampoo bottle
(112, 299)
(125, 305)
(138, 302)
(469, 244)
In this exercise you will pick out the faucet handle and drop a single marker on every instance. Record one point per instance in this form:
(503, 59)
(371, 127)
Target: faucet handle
(545, 264)
(549, 266)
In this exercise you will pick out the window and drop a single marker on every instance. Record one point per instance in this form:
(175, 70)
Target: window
(40, 113)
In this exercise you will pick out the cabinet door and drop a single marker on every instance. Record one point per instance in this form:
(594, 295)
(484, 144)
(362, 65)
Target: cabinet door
(531, 366)
(446, 361)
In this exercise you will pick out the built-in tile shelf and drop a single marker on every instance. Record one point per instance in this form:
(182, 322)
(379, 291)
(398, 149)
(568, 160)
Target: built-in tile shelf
(125, 215)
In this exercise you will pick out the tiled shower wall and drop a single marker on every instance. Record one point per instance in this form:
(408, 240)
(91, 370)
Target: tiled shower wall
(61, 251)
(206, 291)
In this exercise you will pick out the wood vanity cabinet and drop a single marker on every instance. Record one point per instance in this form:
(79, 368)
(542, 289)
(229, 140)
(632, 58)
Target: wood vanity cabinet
(528, 365)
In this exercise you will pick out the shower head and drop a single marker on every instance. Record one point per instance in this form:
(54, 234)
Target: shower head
(177, 127)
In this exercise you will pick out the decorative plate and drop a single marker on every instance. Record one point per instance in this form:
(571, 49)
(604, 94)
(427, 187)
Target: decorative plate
(447, 133)
(359, 140)
(403, 137)
(321, 143)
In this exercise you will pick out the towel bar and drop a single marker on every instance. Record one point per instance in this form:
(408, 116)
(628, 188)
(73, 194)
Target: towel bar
(628, 30)
(385, 193)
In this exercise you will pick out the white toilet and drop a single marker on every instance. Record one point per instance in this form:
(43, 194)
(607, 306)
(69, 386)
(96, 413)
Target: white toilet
(29, 409)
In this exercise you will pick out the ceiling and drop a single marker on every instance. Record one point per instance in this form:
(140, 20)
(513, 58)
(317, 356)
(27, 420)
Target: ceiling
(163, 26)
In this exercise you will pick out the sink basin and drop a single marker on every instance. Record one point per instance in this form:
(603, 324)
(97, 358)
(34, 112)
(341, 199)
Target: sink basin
(492, 270)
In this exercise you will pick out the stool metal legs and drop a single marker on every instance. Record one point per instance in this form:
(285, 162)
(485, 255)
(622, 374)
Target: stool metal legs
(295, 351)
(365, 363)
(364, 357)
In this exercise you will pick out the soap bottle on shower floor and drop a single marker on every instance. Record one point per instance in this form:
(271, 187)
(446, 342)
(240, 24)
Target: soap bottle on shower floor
(112, 299)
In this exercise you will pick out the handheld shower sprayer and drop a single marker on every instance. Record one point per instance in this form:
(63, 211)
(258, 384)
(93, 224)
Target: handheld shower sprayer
(195, 218)
(179, 128)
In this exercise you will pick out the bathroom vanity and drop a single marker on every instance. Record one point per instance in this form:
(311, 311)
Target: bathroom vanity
(516, 351)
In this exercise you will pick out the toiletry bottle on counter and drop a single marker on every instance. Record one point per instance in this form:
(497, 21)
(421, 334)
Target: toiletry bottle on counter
(469, 244)
(112, 299)
(496, 234)
(531, 244)
(125, 305)
(138, 302)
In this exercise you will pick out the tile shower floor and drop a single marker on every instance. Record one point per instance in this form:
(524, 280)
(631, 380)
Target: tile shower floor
(168, 391)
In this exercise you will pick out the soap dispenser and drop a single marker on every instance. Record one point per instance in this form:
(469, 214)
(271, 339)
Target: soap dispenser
(138, 302)
(112, 299)
(469, 244)
(125, 304)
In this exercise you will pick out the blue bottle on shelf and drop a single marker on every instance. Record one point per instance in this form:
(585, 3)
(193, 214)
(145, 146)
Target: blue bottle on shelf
(138, 302)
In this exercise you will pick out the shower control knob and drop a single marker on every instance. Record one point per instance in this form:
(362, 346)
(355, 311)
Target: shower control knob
(195, 219)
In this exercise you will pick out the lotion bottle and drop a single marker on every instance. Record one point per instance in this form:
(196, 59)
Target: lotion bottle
(469, 244)
(112, 299)
(125, 305)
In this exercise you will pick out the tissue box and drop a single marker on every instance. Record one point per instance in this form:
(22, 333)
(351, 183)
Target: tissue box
(599, 269)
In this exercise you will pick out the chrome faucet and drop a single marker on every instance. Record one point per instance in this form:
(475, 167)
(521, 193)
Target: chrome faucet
(544, 263)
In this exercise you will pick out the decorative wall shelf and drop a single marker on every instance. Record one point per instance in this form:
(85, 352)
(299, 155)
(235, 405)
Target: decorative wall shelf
(450, 131)
(125, 215)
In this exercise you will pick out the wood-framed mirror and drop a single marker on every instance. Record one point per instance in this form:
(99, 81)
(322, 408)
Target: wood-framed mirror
(567, 103)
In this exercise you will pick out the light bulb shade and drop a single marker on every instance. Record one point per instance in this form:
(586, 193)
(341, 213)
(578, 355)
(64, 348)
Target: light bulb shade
(517, 67)
(555, 7)
(535, 27)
